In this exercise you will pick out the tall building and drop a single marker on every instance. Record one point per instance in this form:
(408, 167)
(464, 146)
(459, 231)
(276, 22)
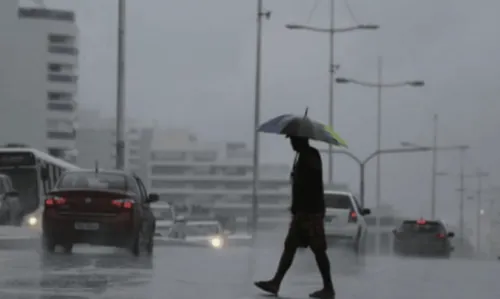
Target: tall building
(96, 140)
(38, 78)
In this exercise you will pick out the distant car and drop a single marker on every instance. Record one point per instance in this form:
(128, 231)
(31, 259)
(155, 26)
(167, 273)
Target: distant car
(199, 233)
(422, 237)
(11, 211)
(344, 219)
(109, 208)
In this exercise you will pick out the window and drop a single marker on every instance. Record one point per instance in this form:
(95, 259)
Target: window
(204, 185)
(338, 201)
(3, 187)
(63, 50)
(168, 156)
(236, 185)
(59, 67)
(61, 39)
(92, 180)
(61, 78)
(142, 189)
(47, 14)
(59, 96)
(57, 152)
(60, 106)
(172, 170)
(203, 170)
(61, 135)
(60, 125)
(204, 156)
(235, 170)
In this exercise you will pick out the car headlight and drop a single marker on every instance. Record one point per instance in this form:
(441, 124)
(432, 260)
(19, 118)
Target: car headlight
(32, 221)
(216, 242)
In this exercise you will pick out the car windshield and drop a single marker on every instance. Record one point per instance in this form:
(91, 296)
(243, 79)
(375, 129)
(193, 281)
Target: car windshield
(422, 227)
(92, 180)
(338, 201)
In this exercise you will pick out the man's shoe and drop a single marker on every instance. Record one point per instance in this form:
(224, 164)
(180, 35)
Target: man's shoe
(268, 287)
(323, 294)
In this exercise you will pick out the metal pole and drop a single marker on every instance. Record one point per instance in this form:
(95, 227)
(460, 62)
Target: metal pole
(362, 184)
(256, 140)
(478, 216)
(330, 90)
(120, 88)
(462, 195)
(379, 145)
(434, 168)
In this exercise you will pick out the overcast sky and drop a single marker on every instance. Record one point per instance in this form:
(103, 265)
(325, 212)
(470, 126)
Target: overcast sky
(191, 63)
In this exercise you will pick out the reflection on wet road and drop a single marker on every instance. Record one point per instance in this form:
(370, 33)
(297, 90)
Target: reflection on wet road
(188, 273)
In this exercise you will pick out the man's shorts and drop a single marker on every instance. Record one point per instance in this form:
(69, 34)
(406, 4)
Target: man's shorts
(307, 230)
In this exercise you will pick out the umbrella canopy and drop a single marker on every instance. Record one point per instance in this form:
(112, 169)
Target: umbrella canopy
(301, 126)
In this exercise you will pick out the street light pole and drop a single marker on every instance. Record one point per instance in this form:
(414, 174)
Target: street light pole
(331, 69)
(120, 88)
(480, 175)
(379, 133)
(256, 140)
(434, 168)
(462, 194)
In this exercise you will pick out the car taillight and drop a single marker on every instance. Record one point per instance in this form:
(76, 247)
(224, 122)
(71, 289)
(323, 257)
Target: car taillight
(123, 203)
(353, 217)
(441, 236)
(55, 201)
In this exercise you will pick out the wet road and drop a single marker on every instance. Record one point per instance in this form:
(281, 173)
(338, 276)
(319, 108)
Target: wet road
(188, 273)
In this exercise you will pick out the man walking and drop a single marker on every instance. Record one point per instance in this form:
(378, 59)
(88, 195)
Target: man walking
(307, 225)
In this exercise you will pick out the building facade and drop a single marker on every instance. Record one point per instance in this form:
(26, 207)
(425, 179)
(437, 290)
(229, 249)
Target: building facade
(183, 170)
(96, 142)
(39, 78)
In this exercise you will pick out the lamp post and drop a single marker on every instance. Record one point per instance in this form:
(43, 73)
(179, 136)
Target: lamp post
(331, 68)
(120, 88)
(261, 13)
(379, 85)
(479, 175)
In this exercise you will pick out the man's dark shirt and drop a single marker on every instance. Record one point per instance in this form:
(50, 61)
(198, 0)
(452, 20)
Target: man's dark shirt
(307, 183)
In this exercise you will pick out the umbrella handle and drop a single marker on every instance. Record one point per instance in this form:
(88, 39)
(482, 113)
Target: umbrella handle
(296, 154)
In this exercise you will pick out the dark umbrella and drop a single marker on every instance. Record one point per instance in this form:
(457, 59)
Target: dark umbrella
(301, 126)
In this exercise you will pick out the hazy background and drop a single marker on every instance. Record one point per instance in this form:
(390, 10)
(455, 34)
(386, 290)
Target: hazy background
(191, 64)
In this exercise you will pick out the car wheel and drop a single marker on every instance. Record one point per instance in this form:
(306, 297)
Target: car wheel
(48, 244)
(150, 245)
(358, 243)
(135, 248)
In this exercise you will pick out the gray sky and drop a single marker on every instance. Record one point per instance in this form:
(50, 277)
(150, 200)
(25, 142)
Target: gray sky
(191, 63)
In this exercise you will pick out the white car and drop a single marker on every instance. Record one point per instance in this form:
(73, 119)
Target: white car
(344, 219)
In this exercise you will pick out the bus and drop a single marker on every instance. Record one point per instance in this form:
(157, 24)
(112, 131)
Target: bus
(33, 174)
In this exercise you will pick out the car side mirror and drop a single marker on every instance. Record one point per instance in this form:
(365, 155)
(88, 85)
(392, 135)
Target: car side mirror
(152, 197)
(451, 234)
(366, 211)
(12, 193)
(395, 232)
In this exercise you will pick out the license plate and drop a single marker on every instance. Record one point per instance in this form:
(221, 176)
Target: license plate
(86, 226)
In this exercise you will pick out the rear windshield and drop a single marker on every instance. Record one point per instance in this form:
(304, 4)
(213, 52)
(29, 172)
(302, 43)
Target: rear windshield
(338, 201)
(92, 180)
(420, 227)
